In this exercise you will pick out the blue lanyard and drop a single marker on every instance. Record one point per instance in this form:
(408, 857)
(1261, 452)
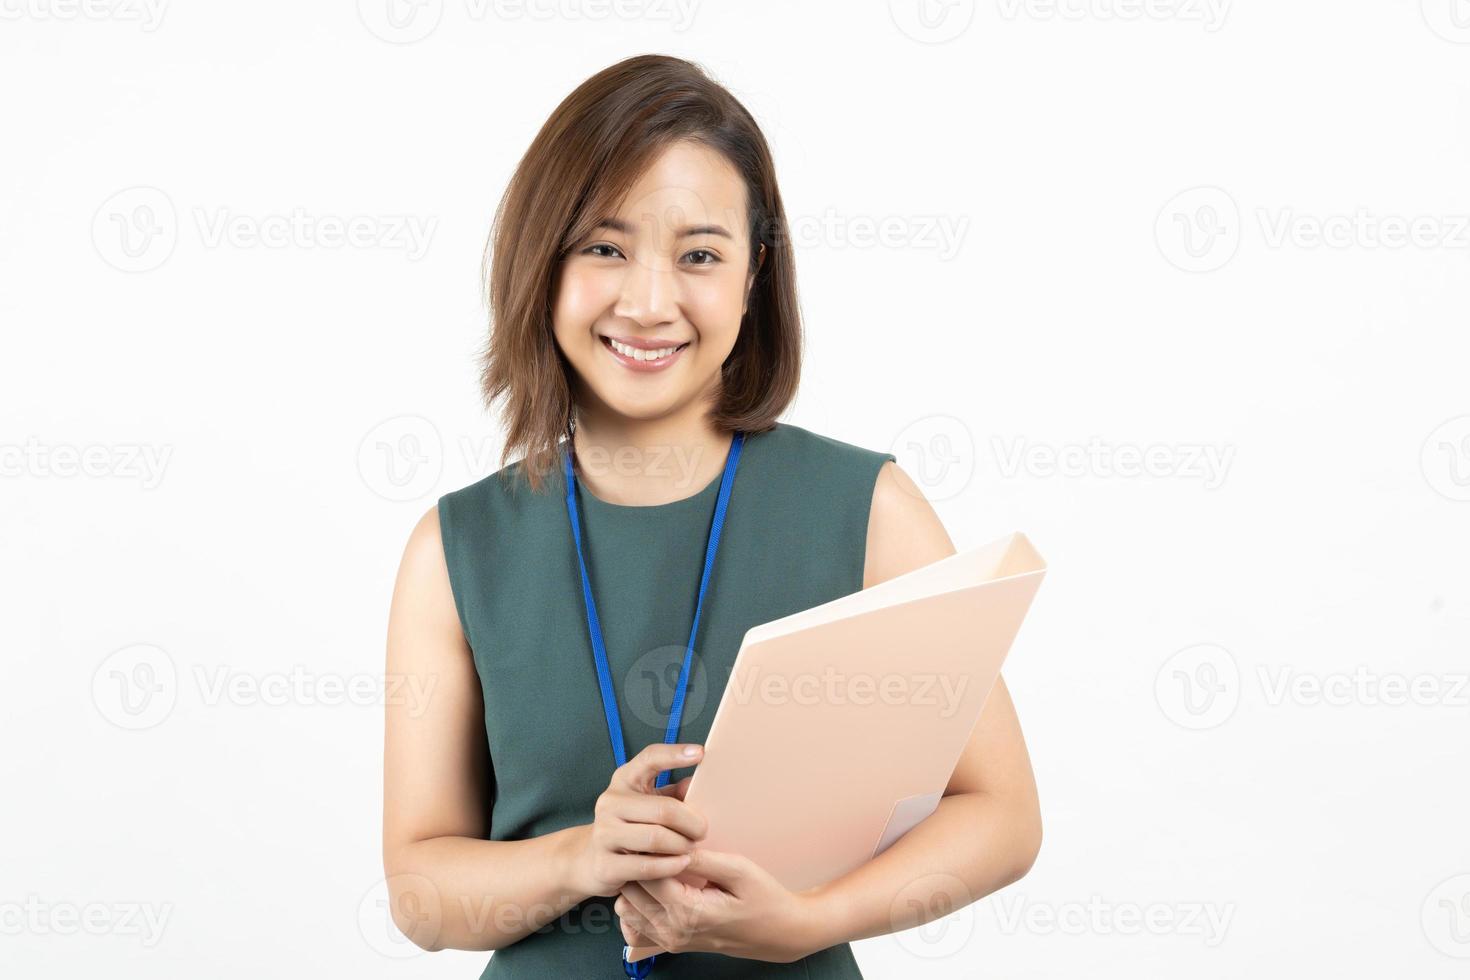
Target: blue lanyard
(599, 652)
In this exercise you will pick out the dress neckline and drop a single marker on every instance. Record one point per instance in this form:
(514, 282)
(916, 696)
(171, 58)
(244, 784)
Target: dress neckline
(700, 499)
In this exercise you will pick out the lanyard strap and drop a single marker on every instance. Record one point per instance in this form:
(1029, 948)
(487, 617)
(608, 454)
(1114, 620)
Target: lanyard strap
(594, 627)
(640, 968)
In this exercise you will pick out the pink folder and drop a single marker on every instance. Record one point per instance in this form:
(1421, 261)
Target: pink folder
(841, 724)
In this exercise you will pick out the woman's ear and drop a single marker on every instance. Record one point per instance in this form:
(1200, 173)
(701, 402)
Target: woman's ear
(760, 260)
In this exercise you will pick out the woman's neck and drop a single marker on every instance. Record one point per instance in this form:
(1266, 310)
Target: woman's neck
(645, 462)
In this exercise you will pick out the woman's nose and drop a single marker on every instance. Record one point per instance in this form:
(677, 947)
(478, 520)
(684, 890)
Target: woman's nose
(649, 293)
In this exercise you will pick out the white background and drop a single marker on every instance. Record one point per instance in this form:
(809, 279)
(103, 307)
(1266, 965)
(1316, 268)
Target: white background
(1108, 227)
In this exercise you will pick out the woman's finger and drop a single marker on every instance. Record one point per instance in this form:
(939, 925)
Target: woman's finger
(645, 905)
(641, 772)
(647, 838)
(731, 872)
(660, 809)
(640, 867)
(632, 920)
(649, 915)
(676, 790)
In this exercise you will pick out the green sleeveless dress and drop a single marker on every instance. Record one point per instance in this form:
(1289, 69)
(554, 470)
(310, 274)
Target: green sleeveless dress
(795, 537)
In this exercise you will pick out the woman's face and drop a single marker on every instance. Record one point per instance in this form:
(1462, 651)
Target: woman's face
(648, 307)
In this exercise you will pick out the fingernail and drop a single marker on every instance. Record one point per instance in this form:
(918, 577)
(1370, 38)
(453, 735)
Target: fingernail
(690, 751)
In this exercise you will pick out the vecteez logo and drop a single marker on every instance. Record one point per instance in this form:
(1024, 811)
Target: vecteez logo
(1200, 687)
(1201, 229)
(138, 228)
(1450, 19)
(1208, 14)
(147, 14)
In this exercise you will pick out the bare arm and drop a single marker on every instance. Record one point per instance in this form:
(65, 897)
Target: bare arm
(987, 830)
(448, 887)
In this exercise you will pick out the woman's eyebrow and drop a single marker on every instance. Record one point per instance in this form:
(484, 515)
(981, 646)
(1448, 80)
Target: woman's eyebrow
(624, 228)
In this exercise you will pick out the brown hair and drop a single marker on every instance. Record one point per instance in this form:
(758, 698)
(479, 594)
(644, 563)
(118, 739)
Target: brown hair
(584, 160)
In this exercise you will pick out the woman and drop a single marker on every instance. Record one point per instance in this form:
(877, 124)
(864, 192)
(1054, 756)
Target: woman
(645, 339)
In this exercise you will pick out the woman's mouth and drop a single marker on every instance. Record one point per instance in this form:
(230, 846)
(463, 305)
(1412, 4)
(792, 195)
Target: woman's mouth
(640, 357)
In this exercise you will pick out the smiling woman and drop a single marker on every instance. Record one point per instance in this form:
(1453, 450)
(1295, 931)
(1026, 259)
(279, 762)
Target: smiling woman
(644, 294)
(592, 594)
(646, 211)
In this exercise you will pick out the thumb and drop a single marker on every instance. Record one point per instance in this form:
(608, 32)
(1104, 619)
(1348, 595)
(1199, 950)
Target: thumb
(677, 790)
(730, 871)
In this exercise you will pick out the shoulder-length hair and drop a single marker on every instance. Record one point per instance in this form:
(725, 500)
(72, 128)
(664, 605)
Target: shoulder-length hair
(582, 163)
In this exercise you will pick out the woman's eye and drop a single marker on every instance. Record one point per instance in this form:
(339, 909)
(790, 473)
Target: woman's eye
(700, 256)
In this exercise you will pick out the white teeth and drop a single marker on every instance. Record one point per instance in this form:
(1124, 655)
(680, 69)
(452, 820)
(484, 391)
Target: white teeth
(638, 353)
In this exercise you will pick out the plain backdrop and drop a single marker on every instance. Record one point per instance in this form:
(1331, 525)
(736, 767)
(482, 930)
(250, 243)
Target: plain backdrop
(1176, 287)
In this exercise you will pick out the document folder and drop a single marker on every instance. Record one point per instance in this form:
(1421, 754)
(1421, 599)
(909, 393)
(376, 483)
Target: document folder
(841, 725)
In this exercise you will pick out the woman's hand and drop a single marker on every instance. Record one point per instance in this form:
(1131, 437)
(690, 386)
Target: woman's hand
(741, 911)
(638, 833)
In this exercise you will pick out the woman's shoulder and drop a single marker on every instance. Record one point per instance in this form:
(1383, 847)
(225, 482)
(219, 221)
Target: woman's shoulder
(499, 514)
(867, 488)
(818, 480)
(508, 486)
(821, 453)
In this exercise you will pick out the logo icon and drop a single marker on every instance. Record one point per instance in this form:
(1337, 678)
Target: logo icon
(1450, 19)
(401, 458)
(136, 687)
(420, 907)
(653, 678)
(1198, 230)
(135, 230)
(942, 899)
(400, 21)
(1445, 459)
(1446, 917)
(1198, 687)
(932, 21)
(938, 452)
